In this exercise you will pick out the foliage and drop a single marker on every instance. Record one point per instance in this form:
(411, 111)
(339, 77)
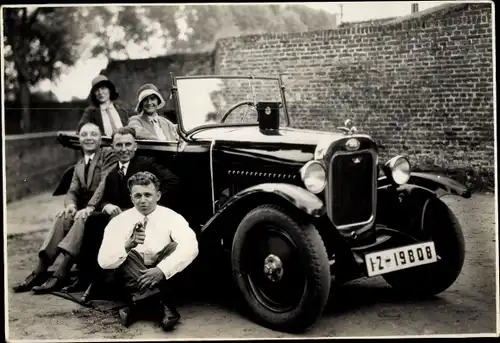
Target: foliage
(38, 44)
(41, 42)
(121, 32)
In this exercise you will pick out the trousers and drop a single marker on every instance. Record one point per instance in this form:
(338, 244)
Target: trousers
(66, 234)
(129, 271)
(91, 242)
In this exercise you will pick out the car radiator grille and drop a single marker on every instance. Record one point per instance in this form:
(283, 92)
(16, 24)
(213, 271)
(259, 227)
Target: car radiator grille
(351, 192)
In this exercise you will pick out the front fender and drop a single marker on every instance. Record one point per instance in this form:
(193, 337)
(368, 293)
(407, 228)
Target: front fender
(281, 193)
(295, 195)
(440, 185)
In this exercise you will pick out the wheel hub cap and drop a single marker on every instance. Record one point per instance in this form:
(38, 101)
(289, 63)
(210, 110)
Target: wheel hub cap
(273, 268)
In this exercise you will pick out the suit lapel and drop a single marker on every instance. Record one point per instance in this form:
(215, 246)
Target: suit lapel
(98, 119)
(90, 175)
(80, 171)
(122, 113)
(131, 168)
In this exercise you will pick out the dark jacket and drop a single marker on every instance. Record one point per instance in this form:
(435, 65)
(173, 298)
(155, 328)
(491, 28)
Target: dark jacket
(93, 114)
(116, 191)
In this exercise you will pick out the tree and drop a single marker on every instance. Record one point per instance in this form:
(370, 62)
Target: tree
(123, 32)
(39, 43)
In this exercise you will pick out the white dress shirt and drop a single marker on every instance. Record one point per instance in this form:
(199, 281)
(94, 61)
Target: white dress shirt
(163, 227)
(109, 112)
(89, 157)
(153, 119)
(120, 165)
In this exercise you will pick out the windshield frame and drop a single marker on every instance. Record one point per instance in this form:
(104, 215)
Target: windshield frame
(184, 132)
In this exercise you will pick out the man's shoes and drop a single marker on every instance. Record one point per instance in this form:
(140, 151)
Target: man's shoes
(78, 286)
(170, 317)
(125, 314)
(26, 285)
(54, 283)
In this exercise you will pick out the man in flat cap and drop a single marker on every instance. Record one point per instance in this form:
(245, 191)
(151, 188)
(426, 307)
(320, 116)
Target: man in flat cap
(104, 111)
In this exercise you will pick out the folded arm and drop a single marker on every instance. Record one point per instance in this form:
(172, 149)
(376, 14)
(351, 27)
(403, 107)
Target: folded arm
(140, 131)
(185, 252)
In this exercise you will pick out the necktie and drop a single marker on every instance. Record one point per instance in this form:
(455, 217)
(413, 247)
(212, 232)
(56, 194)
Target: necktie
(87, 166)
(145, 221)
(158, 130)
(111, 119)
(121, 172)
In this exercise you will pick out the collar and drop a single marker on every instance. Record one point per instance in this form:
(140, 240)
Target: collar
(149, 216)
(88, 157)
(152, 117)
(123, 165)
(106, 106)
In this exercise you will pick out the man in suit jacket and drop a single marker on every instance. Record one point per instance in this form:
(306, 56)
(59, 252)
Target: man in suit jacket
(104, 111)
(84, 194)
(116, 197)
(147, 123)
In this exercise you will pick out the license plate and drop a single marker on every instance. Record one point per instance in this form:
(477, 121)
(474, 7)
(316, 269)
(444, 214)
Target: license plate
(408, 256)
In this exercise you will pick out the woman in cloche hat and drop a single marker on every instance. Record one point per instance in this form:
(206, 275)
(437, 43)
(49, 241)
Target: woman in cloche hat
(104, 111)
(147, 123)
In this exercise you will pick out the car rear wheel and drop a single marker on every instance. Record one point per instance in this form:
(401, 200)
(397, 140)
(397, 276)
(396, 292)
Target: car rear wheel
(281, 269)
(442, 227)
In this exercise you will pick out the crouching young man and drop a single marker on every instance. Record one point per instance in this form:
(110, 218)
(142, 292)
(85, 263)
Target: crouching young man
(147, 245)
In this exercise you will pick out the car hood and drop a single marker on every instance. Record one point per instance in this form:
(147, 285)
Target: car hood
(253, 134)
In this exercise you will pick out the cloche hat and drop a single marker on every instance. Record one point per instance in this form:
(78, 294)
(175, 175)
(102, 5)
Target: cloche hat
(102, 80)
(145, 91)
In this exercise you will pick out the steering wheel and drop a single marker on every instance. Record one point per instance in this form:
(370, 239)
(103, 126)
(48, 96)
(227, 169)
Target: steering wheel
(235, 106)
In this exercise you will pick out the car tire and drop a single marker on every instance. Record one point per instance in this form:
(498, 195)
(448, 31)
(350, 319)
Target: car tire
(294, 301)
(441, 226)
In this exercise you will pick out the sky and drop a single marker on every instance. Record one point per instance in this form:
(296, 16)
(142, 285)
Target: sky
(76, 82)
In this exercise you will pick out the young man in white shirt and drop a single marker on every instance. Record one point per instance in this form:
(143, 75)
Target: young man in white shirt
(147, 245)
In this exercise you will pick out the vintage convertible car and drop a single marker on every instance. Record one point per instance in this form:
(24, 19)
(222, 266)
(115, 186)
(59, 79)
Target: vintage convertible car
(297, 211)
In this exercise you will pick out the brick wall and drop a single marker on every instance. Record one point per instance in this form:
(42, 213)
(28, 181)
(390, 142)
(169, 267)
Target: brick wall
(34, 163)
(421, 86)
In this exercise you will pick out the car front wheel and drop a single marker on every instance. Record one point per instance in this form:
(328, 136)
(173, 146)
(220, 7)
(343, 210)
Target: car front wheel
(281, 268)
(440, 225)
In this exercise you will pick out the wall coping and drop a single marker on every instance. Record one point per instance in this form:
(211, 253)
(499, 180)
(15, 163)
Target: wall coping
(414, 21)
(27, 136)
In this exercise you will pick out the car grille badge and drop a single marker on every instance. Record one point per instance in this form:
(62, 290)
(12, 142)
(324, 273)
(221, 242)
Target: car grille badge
(356, 160)
(352, 144)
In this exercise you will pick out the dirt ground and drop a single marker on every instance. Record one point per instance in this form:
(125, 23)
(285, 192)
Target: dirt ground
(360, 308)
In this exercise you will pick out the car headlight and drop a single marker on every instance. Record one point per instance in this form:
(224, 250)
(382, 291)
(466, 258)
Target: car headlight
(313, 175)
(400, 169)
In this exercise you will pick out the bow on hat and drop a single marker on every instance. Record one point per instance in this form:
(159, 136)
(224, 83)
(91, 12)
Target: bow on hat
(145, 91)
